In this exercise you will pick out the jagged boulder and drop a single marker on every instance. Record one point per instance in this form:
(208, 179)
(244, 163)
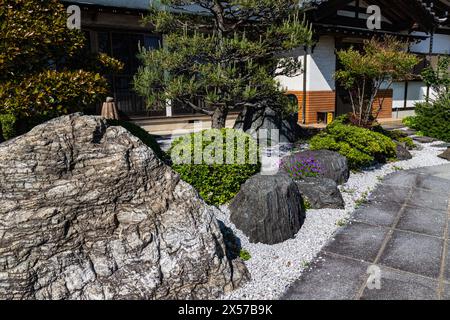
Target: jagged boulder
(445, 155)
(268, 209)
(402, 152)
(321, 193)
(87, 211)
(252, 120)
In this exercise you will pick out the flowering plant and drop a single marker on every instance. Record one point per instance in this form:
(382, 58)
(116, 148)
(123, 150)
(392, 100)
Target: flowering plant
(300, 167)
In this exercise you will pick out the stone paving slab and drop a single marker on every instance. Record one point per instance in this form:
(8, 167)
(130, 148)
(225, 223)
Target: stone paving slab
(336, 278)
(403, 230)
(424, 199)
(369, 238)
(378, 214)
(414, 253)
(422, 220)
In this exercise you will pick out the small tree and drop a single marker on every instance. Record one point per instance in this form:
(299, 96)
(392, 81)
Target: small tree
(45, 69)
(363, 74)
(221, 54)
(439, 78)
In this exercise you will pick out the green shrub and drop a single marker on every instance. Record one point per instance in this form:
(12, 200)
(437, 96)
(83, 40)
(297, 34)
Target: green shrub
(8, 126)
(143, 135)
(410, 122)
(245, 255)
(362, 147)
(433, 119)
(52, 93)
(408, 141)
(46, 69)
(217, 182)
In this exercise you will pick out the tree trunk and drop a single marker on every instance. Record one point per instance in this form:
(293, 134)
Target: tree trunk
(219, 118)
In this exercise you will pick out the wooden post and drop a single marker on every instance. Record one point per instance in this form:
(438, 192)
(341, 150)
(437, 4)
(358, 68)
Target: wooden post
(109, 109)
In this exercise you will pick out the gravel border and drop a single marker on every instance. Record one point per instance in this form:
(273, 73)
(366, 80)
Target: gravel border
(275, 267)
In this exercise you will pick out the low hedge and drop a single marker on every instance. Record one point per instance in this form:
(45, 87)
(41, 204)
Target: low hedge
(7, 126)
(362, 147)
(217, 182)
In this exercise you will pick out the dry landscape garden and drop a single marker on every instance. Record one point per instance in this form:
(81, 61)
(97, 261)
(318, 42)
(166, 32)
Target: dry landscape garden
(97, 207)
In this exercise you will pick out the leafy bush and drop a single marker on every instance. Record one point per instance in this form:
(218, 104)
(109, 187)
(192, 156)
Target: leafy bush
(143, 135)
(199, 158)
(362, 147)
(300, 167)
(410, 122)
(46, 69)
(245, 255)
(52, 93)
(396, 135)
(7, 126)
(433, 119)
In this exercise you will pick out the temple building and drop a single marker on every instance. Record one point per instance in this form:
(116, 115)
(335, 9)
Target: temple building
(114, 27)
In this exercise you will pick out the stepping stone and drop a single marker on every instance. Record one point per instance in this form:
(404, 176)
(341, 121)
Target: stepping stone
(424, 139)
(441, 145)
(409, 132)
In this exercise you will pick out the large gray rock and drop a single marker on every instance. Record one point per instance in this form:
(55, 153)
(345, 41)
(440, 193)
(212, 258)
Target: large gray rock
(402, 152)
(252, 120)
(268, 209)
(321, 193)
(88, 211)
(333, 165)
(445, 155)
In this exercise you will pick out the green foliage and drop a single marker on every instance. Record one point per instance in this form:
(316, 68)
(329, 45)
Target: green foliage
(396, 135)
(51, 93)
(45, 70)
(433, 118)
(408, 141)
(205, 164)
(143, 135)
(306, 204)
(363, 74)
(362, 147)
(7, 126)
(410, 122)
(439, 78)
(222, 59)
(245, 255)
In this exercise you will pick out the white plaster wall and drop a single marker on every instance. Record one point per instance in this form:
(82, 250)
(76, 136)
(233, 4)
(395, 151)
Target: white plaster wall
(417, 92)
(320, 69)
(293, 83)
(441, 44)
(322, 66)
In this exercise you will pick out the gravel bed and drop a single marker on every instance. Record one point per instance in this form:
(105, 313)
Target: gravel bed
(274, 267)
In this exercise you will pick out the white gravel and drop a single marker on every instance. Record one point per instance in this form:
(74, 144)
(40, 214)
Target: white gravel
(274, 267)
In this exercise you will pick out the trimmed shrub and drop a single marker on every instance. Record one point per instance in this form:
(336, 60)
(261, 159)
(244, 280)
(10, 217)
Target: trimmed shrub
(143, 135)
(433, 119)
(8, 126)
(362, 147)
(201, 159)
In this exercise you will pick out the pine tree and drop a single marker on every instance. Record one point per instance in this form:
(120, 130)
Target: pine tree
(218, 55)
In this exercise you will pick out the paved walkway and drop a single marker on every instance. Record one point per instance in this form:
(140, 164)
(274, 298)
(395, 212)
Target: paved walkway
(403, 230)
